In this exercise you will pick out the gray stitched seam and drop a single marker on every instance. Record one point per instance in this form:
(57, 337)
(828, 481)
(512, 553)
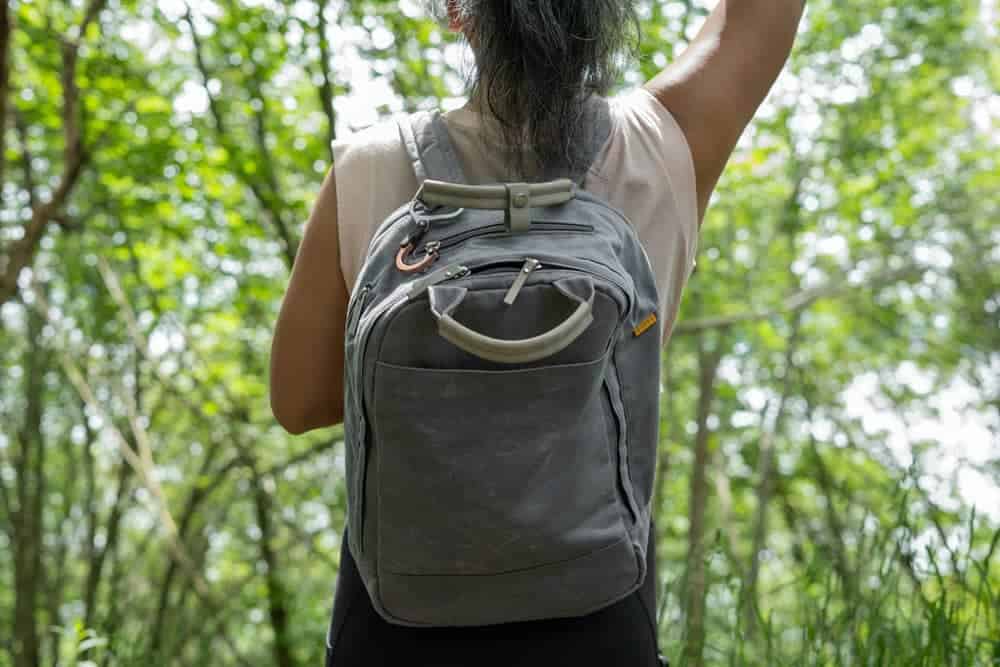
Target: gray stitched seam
(562, 561)
(624, 451)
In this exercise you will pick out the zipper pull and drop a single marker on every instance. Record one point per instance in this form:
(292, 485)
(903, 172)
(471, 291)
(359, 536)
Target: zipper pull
(530, 264)
(457, 272)
(451, 272)
(432, 247)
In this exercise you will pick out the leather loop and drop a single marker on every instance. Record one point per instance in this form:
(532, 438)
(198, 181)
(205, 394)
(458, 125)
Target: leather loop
(444, 299)
(518, 207)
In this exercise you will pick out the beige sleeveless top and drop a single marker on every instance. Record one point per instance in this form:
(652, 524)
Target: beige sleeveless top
(644, 169)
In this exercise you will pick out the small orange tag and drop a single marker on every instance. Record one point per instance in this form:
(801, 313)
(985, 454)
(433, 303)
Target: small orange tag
(644, 325)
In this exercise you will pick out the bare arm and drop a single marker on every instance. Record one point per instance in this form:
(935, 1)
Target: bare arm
(307, 352)
(716, 85)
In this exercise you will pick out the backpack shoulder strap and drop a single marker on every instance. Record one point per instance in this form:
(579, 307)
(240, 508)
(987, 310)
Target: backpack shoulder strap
(425, 137)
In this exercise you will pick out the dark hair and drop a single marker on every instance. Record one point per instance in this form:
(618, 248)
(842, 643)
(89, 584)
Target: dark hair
(537, 64)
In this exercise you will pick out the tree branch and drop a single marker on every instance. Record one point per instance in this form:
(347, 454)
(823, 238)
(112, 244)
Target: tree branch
(835, 524)
(199, 493)
(9, 524)
(21, 253)
(326, 87)
(266, 200)
(6, 30)
(277, 595)
(26, 158)
(276, 206)
(295, 459)
(140, 459)
(697, 567)
(796, 301)
(765, 484)
(199, 59)
(792, 520)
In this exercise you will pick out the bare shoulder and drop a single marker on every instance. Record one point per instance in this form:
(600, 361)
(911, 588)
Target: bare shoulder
(374, 144)
(371, 165)
(651, 144)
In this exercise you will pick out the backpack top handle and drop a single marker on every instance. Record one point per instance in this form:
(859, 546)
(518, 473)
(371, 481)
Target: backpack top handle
(516, 199)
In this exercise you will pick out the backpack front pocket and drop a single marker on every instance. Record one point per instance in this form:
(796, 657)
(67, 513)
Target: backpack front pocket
(491, 471)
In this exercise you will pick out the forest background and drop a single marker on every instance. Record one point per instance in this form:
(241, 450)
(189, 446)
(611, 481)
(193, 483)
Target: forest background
(829, 475)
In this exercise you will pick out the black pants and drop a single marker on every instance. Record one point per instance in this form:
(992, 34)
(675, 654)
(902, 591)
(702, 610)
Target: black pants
(621, 635)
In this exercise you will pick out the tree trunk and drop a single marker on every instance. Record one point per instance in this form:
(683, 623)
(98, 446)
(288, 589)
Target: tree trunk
(276, 598)
(199, 493)
(835, 524)
(325, 89)
(708, 364)
(765, 484)
(96, 565)
(6, 31)
(29, 469)
(668, 425)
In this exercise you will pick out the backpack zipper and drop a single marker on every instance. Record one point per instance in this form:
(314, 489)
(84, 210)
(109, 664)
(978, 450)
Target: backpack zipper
(384, 228)
(436, 245)
(623, 477)
(356, 307)
(364, 326)
(561, 262)
(412, 290)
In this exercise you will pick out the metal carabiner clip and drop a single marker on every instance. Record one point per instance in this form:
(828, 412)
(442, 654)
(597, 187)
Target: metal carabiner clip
(422, 221)
(406, 249)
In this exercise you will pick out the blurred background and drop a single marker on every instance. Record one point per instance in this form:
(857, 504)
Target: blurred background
(829, 478)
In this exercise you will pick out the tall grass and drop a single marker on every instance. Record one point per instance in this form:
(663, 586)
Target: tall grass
(936, 607)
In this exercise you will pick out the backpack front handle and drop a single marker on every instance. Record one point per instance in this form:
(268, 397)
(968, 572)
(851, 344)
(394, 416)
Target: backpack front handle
(444, 299)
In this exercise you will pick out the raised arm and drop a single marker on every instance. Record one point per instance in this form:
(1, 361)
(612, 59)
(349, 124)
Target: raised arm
(307, 352)
(716, 85)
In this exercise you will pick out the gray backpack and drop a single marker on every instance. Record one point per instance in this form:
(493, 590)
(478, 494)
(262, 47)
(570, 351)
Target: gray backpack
(501, 398)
